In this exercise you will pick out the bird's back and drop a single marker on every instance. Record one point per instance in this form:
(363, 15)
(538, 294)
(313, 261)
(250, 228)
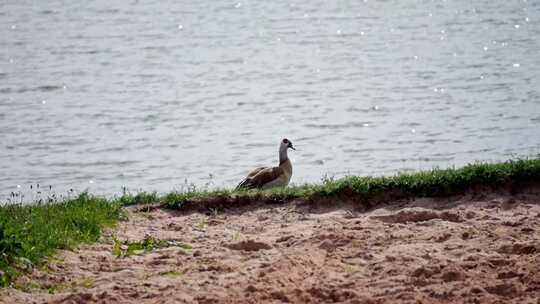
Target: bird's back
(268, 177)
(246, 182)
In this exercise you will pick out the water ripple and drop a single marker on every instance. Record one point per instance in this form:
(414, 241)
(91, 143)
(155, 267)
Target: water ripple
(339, 126)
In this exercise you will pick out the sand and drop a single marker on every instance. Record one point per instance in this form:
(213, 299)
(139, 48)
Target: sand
(482, 248)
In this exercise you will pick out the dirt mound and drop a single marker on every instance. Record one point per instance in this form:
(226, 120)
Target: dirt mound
(477, 251)
(249, 245)
(527, 248)
(415, 216)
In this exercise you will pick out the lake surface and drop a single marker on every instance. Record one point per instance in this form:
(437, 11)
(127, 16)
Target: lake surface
(155, 95)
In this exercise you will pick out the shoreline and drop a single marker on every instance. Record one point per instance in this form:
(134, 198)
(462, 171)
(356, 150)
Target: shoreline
(508, 186)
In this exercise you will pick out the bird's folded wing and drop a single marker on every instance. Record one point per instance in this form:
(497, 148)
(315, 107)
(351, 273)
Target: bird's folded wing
(255, 171)
(265, 176)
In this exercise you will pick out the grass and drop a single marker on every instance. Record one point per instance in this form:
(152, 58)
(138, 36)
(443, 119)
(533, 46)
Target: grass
(137, 199)
(30, 234)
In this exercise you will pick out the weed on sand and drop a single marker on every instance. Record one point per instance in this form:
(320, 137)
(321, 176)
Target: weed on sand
(149, 243)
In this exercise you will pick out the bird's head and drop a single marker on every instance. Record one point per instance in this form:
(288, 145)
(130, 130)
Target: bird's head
(286, 144)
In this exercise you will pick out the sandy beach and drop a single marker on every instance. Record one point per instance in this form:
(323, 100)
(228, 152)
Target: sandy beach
(481, 248)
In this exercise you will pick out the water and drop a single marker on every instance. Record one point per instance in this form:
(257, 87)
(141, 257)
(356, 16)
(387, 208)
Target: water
(151, 94)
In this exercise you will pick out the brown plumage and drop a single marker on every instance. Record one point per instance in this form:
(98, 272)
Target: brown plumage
(268, 177)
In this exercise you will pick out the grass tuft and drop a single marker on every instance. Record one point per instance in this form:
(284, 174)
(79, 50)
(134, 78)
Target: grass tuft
(139, 198)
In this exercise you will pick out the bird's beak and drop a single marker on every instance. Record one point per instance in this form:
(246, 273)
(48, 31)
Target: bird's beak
(292, 147)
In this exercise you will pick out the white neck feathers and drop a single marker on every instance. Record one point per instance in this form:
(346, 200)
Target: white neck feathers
(283, 154)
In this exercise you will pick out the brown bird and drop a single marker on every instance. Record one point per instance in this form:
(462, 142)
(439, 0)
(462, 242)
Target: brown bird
(269, 177)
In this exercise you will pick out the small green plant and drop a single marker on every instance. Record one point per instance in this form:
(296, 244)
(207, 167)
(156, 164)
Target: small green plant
(116, 250)
(149, 243)
(185, 246)
(236, 236)
(214, 211)
(172, 273)
(349, 268)
(202, 224)
(86, 282)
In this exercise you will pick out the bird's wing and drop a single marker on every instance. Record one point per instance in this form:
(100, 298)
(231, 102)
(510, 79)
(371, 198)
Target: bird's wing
(255, 171)
(265, 176)
(246, 182)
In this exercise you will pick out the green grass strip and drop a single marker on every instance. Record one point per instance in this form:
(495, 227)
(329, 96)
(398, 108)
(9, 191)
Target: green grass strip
(435, 183)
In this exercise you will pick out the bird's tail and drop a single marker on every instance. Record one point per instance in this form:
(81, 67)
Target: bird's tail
(245, 184)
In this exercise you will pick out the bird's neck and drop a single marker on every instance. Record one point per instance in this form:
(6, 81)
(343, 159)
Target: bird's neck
(283, 155)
